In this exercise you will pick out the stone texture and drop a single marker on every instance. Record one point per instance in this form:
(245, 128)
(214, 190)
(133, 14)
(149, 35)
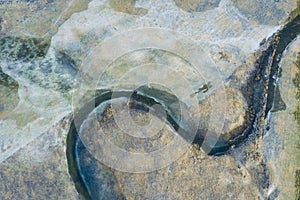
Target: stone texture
(39, 94)
(87, 29)
(36, 18)
(266, 12)
(281, 143)
(8, 95)
(37, 110)
(39, 170)
(196, 5)
(193, 176)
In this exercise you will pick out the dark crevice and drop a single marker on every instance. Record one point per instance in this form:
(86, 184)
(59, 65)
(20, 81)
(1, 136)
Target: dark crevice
(260, 92)
(140, 95)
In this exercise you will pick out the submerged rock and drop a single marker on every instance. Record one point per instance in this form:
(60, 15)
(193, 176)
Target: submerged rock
(23, 49)
(92, 179)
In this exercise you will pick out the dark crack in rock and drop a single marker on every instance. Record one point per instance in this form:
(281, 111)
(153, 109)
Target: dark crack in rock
(92, 179)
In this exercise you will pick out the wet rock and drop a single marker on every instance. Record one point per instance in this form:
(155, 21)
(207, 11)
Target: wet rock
(278, 102)
(23, 49)
(1, 24)
(93, 180)
(53, 71)
(283, 156)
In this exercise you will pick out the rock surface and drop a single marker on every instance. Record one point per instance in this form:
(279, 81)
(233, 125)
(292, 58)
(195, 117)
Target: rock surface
(39, 86)
(283, 154)
(39, 170)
